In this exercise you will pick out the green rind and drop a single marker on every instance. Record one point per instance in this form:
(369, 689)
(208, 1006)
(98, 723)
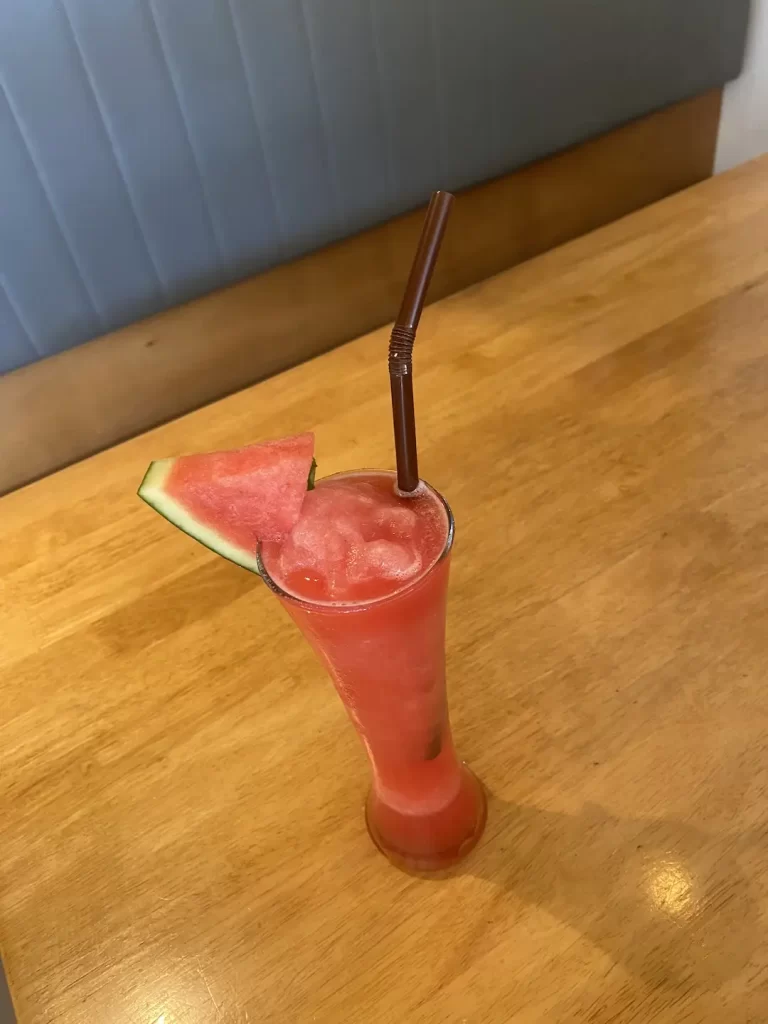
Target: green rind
(152, 491)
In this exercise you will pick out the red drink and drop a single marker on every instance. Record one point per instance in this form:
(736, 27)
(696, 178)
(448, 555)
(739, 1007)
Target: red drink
(364, 574)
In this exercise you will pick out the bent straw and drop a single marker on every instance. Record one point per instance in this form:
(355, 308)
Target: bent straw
(403, 337)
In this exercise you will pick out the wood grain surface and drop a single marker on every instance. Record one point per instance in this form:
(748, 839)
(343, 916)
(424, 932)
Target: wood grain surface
(181, 795)
(75, 403)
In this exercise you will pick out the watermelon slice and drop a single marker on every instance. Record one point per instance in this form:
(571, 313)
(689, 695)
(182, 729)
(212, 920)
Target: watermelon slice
(232, 500)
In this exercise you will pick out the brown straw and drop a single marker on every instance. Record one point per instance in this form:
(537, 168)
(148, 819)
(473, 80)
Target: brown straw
(403, 336)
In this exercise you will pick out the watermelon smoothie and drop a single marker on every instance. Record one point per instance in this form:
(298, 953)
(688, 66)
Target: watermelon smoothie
(364, 574)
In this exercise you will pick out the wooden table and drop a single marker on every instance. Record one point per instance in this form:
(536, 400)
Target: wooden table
(182, 838)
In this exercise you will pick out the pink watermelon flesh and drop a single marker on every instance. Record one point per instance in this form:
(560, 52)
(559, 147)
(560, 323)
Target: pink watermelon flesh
(245, 495)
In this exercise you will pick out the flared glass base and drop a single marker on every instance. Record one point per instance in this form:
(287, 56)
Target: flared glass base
(432, 840)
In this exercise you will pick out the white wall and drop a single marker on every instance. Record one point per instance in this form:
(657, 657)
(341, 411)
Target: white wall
(744, 122)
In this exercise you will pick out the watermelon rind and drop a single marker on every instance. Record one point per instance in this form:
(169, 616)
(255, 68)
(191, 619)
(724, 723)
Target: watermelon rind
(152, 490)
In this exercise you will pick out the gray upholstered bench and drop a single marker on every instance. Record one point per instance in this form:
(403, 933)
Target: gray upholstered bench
(154, 152)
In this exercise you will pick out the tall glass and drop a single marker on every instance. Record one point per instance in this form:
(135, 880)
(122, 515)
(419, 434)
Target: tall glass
(386, 657)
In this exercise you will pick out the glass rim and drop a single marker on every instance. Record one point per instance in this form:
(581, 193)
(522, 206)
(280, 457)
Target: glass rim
(352, 606)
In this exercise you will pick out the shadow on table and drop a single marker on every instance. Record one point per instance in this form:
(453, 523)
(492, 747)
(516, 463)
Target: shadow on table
(7, 1016)
(669, 902)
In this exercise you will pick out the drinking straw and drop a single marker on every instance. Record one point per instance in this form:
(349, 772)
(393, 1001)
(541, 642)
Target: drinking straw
(403, 336)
